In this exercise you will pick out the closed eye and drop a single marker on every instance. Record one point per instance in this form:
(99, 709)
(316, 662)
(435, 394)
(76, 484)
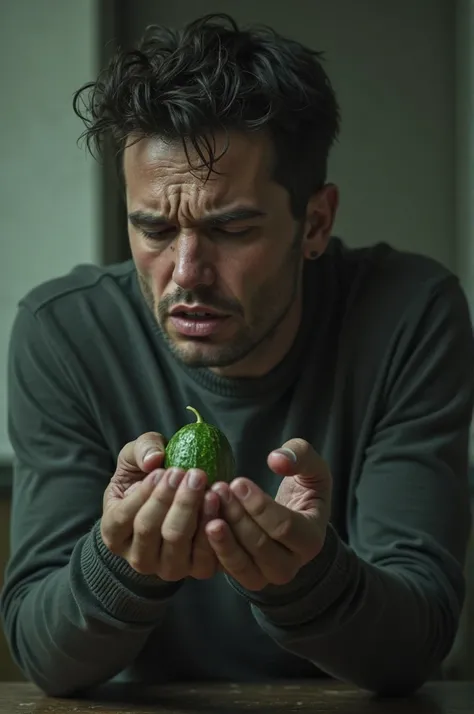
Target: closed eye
(156, 235)
(164, 234)
(224, 231)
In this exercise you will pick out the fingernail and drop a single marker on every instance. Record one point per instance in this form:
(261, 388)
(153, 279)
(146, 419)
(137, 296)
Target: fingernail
(223, 492)
(211, 508)
(195, 479)
(175, 477)
(217, 533)
(289, 453)
(157, 476)
(151, 454)
(241, 489)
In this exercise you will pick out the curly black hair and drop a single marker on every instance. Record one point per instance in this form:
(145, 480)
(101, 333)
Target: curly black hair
(213, 77)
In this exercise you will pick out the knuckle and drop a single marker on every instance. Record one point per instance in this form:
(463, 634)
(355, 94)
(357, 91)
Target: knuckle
(149, 440)
(301, 444)
(135, 563)
(234, 513)
(183, 495)
(140, 566)
(262, 541)
(162, 496)
(283, 529)
(187, 498)
(183, 512)
(259, 506)
(174, 536)
(114, 519)
(150, 437)
(121, 519)
(181, 522)
(111, 526)
(110, 544)
(142, 530)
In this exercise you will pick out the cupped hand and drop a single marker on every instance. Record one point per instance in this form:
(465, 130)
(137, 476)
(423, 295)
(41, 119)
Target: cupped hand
(260, 540)
(155, 518)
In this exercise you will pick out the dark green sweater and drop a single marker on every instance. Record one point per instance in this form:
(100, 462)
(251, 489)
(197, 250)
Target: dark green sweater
(380, 380)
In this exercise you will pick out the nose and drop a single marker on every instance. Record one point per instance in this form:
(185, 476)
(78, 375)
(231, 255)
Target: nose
(193, 264)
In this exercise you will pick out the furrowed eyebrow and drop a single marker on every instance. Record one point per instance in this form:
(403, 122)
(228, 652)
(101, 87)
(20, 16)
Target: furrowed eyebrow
(238, 214)
(152, 220)
(142, 218)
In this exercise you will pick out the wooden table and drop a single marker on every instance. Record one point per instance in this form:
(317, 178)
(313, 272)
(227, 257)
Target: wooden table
(317, 697)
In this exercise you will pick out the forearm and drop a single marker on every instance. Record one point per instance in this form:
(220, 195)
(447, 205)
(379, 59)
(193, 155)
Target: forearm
(82, 624)
(385, 629)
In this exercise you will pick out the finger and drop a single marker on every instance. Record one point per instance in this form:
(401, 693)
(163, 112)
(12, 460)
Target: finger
(278, 564)
(295, 531)
(145, 453)
(132, 488)
(233, 558)
(203, 558)
(143, 553)
(119, 514)
(180, 524)
(297, 457)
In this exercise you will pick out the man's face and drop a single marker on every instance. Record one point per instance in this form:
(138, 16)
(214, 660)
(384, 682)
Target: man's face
(219, 260)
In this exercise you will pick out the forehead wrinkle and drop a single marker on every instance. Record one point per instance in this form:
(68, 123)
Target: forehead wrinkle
(164, 182)
(183, 202)
(190, 200)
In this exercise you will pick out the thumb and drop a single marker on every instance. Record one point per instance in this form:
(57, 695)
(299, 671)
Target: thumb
(297, 458)
(145, 453)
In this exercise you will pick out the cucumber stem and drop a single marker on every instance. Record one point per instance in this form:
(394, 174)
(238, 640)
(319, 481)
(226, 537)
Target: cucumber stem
(198, 416)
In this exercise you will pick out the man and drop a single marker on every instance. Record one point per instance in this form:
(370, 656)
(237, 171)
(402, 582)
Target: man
(343, 379)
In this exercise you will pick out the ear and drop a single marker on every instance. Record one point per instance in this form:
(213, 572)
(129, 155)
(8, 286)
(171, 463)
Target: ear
(320, 215)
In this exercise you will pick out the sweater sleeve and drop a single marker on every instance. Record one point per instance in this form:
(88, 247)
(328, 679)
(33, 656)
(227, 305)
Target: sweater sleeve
(74, 614)
(382, 611)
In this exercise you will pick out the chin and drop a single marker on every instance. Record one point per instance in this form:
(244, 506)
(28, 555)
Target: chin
(210, 356)
(205, 355)
(203, 352)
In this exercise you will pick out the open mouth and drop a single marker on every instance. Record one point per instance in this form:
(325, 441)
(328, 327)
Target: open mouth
(197, 323)
(196, 315)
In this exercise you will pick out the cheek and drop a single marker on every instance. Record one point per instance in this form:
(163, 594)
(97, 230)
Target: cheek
(242, 276)
(269, 273)
(142, 256)
(260, 263)
(155, 268)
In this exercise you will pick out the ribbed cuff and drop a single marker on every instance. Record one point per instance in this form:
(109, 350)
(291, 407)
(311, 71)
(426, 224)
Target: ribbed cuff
(122, 592)
(313, 589)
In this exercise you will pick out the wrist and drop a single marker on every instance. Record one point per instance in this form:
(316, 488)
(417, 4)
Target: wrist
(123, 592)
(280, 599)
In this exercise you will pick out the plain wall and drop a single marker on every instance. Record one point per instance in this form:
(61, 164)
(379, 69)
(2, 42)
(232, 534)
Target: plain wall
(48, 186)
